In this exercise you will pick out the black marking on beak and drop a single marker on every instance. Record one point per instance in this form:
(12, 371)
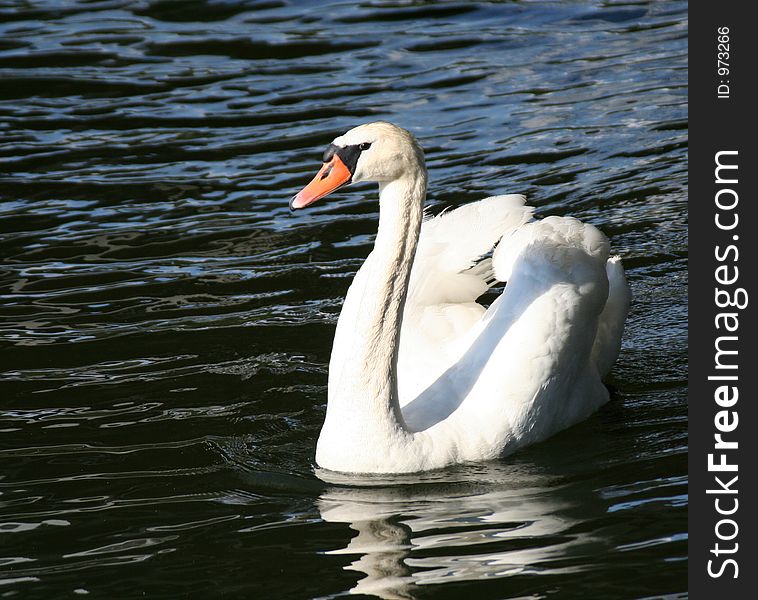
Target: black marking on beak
(329, 152)
(349, 155)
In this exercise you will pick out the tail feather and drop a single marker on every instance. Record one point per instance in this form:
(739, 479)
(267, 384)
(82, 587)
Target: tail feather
(607, 345)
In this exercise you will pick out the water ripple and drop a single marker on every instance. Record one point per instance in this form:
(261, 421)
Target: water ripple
(166, 324)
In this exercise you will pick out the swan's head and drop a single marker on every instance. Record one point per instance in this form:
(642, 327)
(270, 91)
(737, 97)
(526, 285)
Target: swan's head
(377, 151)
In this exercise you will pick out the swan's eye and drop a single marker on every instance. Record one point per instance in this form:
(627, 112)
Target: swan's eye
(365, 146)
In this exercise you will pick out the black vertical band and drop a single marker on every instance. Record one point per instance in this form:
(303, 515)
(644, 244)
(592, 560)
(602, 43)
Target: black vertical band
(723, 410)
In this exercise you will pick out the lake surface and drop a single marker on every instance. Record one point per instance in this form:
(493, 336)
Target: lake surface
(166, 323)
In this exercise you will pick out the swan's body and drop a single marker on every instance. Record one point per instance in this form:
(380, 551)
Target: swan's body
(421, 376)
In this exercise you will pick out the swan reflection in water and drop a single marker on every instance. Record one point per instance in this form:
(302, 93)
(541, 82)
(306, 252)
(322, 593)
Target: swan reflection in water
(477, 522)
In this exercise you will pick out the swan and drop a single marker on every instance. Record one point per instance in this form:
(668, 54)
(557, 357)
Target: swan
(422, 376)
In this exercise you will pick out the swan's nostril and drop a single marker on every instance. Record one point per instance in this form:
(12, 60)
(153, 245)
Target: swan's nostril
(326, 172)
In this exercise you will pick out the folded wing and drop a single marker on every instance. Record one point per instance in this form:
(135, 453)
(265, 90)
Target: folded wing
(450, 271)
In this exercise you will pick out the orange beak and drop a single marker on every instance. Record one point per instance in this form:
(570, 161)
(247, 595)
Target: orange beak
(333, 174)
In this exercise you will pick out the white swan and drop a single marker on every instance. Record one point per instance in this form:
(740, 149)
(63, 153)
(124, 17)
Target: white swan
(421, 376)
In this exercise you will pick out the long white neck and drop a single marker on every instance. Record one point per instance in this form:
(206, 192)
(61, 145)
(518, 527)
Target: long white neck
(363, 399)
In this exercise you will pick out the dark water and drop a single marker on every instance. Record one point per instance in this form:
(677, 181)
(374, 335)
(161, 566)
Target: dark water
(166, 323)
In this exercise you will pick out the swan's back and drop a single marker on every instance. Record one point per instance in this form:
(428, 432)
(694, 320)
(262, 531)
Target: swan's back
(450, 271)
(532, 363)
